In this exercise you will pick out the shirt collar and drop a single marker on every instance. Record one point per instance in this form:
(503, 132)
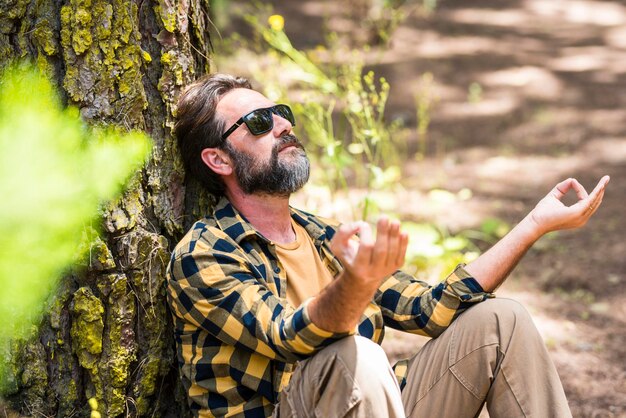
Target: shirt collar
(232, 222)
(236, 226)
(313, 225)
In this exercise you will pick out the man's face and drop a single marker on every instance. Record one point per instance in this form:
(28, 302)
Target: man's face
(281, 175)
(273, 163)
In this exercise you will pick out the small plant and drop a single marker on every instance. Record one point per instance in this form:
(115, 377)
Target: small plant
(384, 17)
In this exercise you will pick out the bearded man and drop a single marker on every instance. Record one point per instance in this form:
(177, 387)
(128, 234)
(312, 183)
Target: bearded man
(279, 313)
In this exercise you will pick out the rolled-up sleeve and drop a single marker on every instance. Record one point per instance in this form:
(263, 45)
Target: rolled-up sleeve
(222, 294)
(415, 306)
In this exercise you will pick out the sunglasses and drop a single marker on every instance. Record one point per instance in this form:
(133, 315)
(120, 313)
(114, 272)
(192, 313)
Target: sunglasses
(260, 121)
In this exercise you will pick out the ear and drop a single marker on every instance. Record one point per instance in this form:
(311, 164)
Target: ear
(217, 160)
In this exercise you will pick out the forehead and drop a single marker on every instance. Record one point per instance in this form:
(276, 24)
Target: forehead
(239, 102)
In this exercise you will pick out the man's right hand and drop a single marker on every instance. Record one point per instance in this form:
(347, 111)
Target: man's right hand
(367, 262)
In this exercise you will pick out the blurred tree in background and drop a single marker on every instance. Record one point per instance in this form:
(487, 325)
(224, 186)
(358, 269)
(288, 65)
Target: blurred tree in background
(106, 333)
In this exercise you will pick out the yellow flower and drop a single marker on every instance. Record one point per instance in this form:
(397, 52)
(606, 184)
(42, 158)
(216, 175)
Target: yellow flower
(93, 404)
(277, 22)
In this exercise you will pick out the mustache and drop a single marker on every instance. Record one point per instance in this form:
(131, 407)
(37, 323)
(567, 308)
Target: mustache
(287, 140)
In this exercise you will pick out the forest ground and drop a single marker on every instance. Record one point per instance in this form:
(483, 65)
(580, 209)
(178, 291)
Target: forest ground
(548, 102)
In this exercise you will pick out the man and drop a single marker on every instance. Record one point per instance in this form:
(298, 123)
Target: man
(278, 312)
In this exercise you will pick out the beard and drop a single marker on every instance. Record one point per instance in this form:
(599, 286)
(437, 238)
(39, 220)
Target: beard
(276, 177)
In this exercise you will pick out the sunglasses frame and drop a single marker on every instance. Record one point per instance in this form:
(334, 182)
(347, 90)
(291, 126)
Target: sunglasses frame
(272, 109)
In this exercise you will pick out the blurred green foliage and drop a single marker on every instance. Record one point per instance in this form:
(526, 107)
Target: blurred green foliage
(54, 174)
(433, 247)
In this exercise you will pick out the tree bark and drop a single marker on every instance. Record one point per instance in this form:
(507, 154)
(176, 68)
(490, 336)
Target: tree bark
(107, 333)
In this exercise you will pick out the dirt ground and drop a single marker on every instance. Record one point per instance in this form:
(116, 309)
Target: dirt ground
(528, 93)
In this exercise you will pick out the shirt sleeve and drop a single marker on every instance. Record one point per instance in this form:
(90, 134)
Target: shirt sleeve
(223, 294)
(412, 305)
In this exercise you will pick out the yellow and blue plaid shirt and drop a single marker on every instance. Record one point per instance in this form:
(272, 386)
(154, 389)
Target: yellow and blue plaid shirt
(238, 340)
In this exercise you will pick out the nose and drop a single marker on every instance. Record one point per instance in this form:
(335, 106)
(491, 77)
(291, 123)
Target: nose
(281, 125)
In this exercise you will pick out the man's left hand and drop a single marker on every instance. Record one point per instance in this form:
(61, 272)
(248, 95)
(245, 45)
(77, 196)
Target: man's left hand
(551, 214)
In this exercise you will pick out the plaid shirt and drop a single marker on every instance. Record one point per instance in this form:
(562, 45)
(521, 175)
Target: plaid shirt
(238, 340)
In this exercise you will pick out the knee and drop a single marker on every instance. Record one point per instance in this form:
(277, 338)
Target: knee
(505, 313)
(362, 358)
(356, 349)
(502, 306)
(351, 377)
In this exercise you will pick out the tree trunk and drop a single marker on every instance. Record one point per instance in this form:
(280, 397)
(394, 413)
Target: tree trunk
(107, 333)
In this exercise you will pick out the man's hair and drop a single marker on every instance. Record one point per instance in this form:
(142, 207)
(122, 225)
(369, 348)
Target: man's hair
(198, 126)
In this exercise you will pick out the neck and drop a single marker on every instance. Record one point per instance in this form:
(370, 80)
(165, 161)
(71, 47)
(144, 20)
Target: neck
(269, 215)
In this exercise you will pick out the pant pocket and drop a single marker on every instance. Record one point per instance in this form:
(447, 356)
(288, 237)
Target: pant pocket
(338, 391)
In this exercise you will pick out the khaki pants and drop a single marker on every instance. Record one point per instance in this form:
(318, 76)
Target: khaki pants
(492, 353)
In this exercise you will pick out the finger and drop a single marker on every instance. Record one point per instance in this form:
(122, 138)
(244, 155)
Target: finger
(601, 185)
(562, 188)
(605, 180)
(404, 244)
(594, 204)
(381, 246)
(595, 207)
(595, 198)
(365, 233)
(366, 244)
(344, 233)
(394, 242)
(579, 189)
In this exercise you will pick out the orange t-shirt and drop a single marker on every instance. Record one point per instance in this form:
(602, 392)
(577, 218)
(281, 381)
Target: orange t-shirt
(306, 274)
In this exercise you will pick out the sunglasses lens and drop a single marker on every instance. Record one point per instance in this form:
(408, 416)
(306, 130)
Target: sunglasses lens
(285, 112)
(259, 121)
